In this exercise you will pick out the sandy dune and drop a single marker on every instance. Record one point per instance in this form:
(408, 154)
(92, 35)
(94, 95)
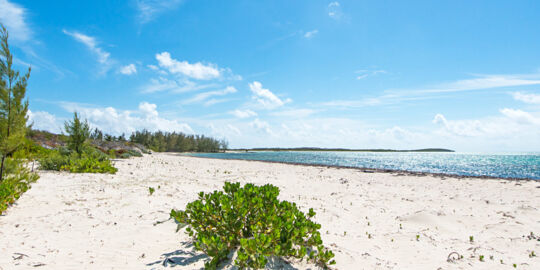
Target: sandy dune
(370, 220)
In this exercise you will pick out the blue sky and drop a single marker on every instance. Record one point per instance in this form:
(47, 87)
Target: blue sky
(463, 75)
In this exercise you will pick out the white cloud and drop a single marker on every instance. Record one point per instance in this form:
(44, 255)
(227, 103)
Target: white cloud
(243, 113)
(112, 120)
(162, 84)
(128, 70)
(149, 9)
(362, 74)
(483, 82)
(13, 17)
(261, 126)
(520, 116)
(206, 95)
(197, 70)
(311, 34)
(527, 98)
(44, 121)
(103, 57)
(295, 113)
(265, 97)
(334, 10)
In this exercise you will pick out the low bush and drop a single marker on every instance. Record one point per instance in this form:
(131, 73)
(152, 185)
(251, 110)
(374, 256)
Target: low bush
(253, 222)
(90, 161)
(17, 180)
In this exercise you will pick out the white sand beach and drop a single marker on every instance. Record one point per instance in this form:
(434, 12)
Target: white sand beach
(369, 220)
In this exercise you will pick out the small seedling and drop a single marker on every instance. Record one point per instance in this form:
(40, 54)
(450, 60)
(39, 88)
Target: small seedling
(532, 254)
(368, 223)
(417, 237)
(151, 190)
(344, 233)
(471, 238)
(502, 261)
(491, 257)
(369, 235)
(515, 265)
(481, 258)
(400, 227)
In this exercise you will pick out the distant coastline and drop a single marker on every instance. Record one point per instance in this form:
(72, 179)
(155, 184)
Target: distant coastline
(316, 149)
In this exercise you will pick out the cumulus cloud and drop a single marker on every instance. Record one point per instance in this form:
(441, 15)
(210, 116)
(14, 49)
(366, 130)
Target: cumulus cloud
(261, 126)
(41, 120)
(311, 34)
(13, 16)
(527, 98)
(128, 70)
(265, 97)
(115, 121)
(520, 116)
(197, 70)
(243, 113)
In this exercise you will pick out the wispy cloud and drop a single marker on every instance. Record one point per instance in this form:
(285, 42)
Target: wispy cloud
(103, 57)
(149, 9)
(334, 10)
(311, 34)
(163, 84)
(265, 97)
(526, 97)
(206, 95)
(128, 70)
(243, 113)
(13, 17)
(483, 82)
(364, 73)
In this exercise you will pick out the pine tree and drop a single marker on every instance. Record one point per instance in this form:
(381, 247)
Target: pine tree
(13, 107)
(78, 132)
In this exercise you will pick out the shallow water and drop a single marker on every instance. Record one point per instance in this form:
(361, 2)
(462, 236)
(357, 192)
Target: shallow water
(508, 165)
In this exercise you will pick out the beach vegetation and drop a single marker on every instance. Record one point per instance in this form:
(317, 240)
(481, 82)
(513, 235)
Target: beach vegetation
(151, 190)
(481, 258)
(15, 176)
(250, 221)
(78, 132)
(91, 160)
(160, 141)
(471, 239)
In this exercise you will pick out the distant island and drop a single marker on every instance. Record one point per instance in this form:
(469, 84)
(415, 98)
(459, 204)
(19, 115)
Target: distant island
(337, 150)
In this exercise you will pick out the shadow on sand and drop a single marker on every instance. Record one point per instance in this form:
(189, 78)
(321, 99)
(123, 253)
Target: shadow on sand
(187, 256)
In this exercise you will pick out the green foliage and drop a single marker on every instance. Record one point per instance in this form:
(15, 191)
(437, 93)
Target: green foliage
(481, 258)
(90, 160)
(177, 142)
(17, 180)
(13, 107)
(471, 238)
(78, 132)
(252, 221)
(151, 190)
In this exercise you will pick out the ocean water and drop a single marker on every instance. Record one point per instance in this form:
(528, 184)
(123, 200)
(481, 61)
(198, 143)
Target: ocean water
(514, 165)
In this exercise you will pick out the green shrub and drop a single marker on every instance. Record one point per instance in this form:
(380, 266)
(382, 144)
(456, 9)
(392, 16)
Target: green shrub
(17, 180)
(88, 164)
(253, 222)
(90, 161)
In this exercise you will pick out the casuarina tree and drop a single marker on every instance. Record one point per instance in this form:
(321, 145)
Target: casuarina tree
(78, 132)
(13, 106)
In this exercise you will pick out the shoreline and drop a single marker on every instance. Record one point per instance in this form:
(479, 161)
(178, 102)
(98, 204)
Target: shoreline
(374, 170)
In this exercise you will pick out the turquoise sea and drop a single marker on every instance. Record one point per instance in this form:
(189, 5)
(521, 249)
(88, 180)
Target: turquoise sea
(508, 165)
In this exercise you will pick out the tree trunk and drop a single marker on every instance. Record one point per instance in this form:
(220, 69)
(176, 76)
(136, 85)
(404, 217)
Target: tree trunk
(2, 169)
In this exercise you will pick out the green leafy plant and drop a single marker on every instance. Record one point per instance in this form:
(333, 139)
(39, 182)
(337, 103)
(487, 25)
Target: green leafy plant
(151, 190)
(532, 254)
(417, 237)
(78, 131)
(481, 258)
(90, 161)
(253, 222)
(471, 238)
(17, 180)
